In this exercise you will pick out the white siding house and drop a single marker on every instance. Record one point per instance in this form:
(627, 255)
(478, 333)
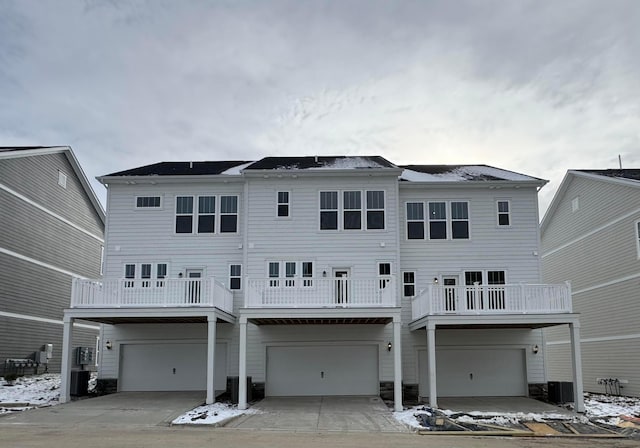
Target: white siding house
(591, 237)
(323, 276)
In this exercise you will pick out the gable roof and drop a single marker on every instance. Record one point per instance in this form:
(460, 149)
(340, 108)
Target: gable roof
(10, 152)
(321, 162)
(181, 169)
(627, 177)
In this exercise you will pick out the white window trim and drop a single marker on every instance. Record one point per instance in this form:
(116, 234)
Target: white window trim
(363, 211)
(449, 220)
(367, 210)
(636, 228)
(136, 280)
(159, 207)
(278, 204)
(407, 284)
(62, 179)
(217, 223)
(220, 214)
(192, 214)
(485, 275)
(498, 213)
(235, 276)
(196, 218)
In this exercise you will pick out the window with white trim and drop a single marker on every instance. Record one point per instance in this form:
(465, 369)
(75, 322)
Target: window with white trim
(143, 275)
(459, 220)
(375, 210)
(437, 220)
(161, 274)
(290, 273)
(274, 273)
(352, 210)
(504, 213)
(408, 284)
(206, 214)
(129, 275)
(328, 210)
(307, 273)
(228, 214)
(283, 204)
(184, 214)
(235, 276)
(148, 202)
(637, 226)
(415, 220)
(444, 220)
(62, 179)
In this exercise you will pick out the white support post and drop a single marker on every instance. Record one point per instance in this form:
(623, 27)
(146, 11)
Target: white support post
(576, 359)
(397, 364)
(431, 355)
(211, 359)
(65, 370)
(242, 377)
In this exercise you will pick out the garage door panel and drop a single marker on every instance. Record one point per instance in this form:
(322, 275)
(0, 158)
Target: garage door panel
(476, 372)
(169, 367)
(322, 370)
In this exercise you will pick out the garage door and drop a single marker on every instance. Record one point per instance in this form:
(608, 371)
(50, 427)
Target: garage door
(476, 372)
(169, 366)
(322, 370)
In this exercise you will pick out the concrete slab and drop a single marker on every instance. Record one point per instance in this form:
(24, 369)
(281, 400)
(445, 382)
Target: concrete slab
(304, 414)
(500, 405)
(121, 409)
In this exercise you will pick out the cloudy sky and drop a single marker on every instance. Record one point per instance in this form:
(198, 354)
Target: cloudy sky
(537, 87)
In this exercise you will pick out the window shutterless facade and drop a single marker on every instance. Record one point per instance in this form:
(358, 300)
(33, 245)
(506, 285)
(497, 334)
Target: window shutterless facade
(415, 221)
(503, 209)
(235, 276)
(445, 220)
(184, 214)
(228, 214)
(206, 214)
(148, 202)
(408, 284)
(142, 275)
(384, 274)
(352, 210)
(459, 220)
(283, 204)
(290, 273)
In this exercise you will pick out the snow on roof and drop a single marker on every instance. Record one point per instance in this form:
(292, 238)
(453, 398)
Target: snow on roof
(349, 163)
(321, 163)
(236, 170)
(459, 173)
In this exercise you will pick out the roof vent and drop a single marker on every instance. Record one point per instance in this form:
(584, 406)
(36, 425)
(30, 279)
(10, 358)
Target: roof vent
(191, 165)
(316, 159)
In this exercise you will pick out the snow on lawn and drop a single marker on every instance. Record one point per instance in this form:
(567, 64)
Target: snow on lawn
(609, 408)
(211, 414)
(408, 416)
(31, 391)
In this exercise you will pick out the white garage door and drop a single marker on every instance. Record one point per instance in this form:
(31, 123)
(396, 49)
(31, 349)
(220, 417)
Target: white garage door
(322, 370)
(476, 373)
(169, 367)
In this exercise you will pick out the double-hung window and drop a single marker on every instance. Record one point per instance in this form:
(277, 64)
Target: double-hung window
(352, 210)
(228, 214)
(235, 276)
(375, 210)
(283, 204)
(437, 220)
(328, 210)
(415, 220)
(504, 213)
(206, 214)
(459, 220)
(184, 214)
(409, 283)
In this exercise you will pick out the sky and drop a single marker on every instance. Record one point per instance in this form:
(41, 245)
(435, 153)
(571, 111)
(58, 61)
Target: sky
(537, 87)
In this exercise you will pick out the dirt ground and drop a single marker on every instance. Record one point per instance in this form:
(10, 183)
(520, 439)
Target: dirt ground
(29, 436)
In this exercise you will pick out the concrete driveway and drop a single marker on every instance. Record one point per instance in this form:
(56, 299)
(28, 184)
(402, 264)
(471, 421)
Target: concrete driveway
(344, 414)
(122, 409)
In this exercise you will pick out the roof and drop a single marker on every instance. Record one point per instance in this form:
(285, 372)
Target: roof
(458, 173)
(628, 177)
(29, 151)
(183, 169)
(321, 162)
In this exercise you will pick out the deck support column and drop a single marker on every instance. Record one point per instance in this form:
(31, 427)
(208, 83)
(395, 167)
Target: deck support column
(67, 359)
(431, 359)
(242, 374)
(576, 359)
(397, 363)
(211, 357)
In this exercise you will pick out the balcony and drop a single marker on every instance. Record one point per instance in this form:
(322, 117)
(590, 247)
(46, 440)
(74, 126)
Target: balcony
(151, 293)
(492, 300)
(312, 292)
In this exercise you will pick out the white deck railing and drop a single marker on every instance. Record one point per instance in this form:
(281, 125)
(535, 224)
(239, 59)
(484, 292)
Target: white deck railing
(492, 299)
(168, 292)
(341, 292)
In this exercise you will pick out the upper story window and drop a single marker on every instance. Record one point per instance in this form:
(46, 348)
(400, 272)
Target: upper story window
(184, 214)
(62, 179)
(375, 210)
(148, 202)
(283, 204)
(235, 276)
(409, 284)
(204, 218)
(352, 210)
(504, 213)
(444, 220)
(228, 214)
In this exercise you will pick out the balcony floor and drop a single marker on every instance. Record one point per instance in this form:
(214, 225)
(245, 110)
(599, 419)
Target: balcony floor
(488, 321)
(149, 315)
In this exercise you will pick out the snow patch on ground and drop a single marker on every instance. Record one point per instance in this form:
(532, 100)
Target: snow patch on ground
(210, 414)
(34, 391)
(408, 416)
(609, 409)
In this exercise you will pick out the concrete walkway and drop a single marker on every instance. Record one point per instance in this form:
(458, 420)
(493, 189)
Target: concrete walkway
(122, 409)
(500, 405)
(344, 414)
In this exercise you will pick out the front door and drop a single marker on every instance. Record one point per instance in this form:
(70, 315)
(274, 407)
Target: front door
(450, 293)
(341, 287)
(193, 285)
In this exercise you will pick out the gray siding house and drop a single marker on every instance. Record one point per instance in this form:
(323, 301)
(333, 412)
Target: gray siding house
(591, 237)
(52, 231)
(322, 276)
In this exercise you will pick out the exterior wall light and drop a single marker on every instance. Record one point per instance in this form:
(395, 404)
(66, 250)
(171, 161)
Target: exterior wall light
(435, 280)
(389, 346)
(535, 349)
(108, 345)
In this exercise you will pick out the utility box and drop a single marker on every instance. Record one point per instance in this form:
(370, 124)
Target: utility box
(84, 355)
(233, 383)
(560, 391)
(79, 383)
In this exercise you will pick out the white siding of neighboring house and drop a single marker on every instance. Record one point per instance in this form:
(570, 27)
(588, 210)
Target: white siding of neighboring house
(595, 247)
(512, 249)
